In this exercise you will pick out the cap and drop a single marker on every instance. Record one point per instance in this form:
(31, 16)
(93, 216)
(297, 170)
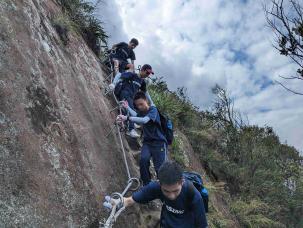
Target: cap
(148, 68)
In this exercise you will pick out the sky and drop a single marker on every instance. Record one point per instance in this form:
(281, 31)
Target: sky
(200, 43)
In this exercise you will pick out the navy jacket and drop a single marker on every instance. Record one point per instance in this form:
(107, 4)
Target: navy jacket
(178, 213)
(152, 133)
(130, 84)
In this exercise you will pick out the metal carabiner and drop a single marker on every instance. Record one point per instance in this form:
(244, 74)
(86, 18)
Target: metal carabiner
(136, 181)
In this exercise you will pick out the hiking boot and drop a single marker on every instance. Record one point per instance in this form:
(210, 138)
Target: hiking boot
(132, 133)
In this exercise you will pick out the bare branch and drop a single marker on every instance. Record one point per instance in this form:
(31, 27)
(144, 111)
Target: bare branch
(292, 77)
(290, 90)
(287, 25)
(297, 9)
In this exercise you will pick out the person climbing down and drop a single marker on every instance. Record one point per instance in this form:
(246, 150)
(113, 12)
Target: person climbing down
(154, 140)
(126, 85)
(121, 52)
(182, 203)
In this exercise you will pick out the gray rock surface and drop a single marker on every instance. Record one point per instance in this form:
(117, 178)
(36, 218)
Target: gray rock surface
(56, 164)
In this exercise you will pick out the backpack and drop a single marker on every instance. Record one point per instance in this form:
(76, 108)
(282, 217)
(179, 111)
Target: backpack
(197, 182)
(123, 80)
(118, 89)
(167, 127)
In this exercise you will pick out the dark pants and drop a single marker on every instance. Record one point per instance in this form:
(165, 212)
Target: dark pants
(130, 100)
(122, 64)
(158, 153)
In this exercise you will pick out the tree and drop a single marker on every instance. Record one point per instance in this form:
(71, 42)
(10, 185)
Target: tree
(223, 109)
(286, 20)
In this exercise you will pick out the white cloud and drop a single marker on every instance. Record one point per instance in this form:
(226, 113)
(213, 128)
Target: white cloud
(198, 43)
(112, 22)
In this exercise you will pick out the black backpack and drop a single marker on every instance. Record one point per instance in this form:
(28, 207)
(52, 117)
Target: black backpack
(118, 89)
(197, 182)
(120, 85)
(167, 127)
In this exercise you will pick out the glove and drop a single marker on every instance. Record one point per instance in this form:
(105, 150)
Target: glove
(121, 118)
(110, 202)
(108, 206)
(111, 86)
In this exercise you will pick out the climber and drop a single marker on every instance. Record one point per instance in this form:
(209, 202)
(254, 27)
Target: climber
(126, 85)
(182, 203)
(154, 140)
(121, 52)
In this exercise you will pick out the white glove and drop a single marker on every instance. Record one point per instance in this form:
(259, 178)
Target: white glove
(111, 86)
(121, 118)
(110, 202)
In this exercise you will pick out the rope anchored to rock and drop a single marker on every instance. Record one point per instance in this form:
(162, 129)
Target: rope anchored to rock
(115, 202)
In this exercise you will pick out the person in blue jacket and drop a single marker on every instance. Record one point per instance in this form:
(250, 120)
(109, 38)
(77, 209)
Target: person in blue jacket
(126, 85)
(173, 190)
(154, 140)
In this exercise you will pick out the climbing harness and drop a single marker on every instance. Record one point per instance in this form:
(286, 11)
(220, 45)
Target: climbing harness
(132, 183)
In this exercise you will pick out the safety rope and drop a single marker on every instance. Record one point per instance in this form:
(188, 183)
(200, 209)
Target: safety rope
(114, 212)
(135, 182)
(124, 154)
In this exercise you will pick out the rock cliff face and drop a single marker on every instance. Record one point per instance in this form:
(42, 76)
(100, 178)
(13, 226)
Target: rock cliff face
(56, 163)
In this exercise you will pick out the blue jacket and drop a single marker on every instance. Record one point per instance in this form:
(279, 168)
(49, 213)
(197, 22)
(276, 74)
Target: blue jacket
(178, 213)
(130, 84)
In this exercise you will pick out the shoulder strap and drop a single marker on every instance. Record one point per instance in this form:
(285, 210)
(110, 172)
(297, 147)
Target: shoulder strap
(118, 45)
(190, 194)
(160, 124)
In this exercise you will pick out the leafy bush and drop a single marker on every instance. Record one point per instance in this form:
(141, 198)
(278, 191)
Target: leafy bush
(83, 20)
(174, 104)
(250, 159)
(62, 26)
(177, 152)
(253, 214)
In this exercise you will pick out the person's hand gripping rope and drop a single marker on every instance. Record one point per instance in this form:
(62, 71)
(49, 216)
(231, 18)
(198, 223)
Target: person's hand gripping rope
(121, 118)
(110, 202)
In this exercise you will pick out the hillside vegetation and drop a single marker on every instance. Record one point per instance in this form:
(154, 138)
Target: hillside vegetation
(263, 176)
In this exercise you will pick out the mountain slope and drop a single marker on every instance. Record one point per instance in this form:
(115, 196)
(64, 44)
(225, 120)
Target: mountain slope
(56, 163)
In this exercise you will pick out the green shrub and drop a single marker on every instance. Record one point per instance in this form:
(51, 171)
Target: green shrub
(81, 15)
(175, 104)
(63, 25)
(253, 214)
(177, 151)
(250, 159)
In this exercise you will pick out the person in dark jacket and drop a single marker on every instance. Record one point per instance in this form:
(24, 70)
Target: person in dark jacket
(126, 85)
(121, 52)
(154, 140)
(179, 210)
